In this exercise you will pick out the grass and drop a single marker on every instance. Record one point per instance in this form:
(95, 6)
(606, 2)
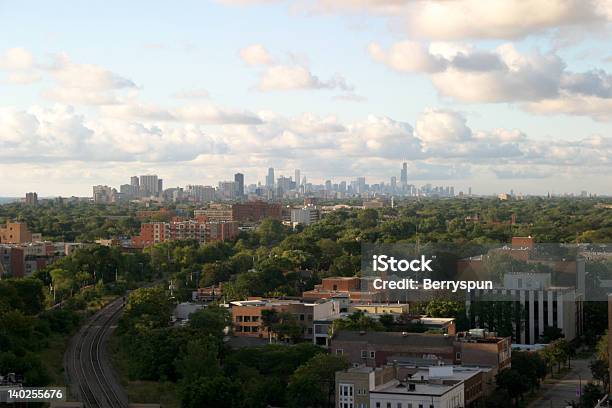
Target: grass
(151, 392)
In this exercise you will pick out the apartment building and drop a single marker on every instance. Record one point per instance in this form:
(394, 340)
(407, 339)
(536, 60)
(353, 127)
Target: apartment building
(155, 232)
(215, 212)
(247, 315)
(256, 211)
(17, 233)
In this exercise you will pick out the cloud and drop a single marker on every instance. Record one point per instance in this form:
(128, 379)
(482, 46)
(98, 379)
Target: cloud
(407, 56)
(19, 64)
(501, 19)
(15, 59)
(473, 19)
(85, 84)
(599, 109)
(210, 114)
(468, 75)
(256, 54)
(294, 77)
(288, 77)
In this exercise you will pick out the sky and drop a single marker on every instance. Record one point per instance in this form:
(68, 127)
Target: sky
(495, 95)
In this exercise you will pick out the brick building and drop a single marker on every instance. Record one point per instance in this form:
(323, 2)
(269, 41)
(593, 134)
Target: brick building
(256, 211)
(379, 348)
(155, 232)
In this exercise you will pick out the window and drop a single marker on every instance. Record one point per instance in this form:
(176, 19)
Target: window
(372, 354)
(458, 355)
(388, 405)
(339, 351)
(247, 318)
(301, 317)
(378, 405)
(399, 405)
(364, 354)
(345, 398)
(238, 318)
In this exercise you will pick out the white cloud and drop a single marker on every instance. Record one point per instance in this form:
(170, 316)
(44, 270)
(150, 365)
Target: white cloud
(474, 19)
(15, 59)
(23, 77)
(407, 56)
(256, 54)
(293, 77)
(85, 84)
(597, 108)
(210, 114)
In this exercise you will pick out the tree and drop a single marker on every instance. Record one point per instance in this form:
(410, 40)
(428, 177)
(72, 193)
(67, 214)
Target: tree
(512, 381)
(599, 369)
(550, 334)
(312, 384)
(146, 308)
(211, 320)
(591, 394)
(357, 321)
(281, 325)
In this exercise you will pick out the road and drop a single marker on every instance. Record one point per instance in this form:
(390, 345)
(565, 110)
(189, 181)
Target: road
(556, 394)
(87, 364)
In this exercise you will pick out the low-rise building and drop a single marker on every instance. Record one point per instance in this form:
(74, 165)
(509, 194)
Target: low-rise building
(247, 315)
(465, 348)
(396, 386)
(358, 290)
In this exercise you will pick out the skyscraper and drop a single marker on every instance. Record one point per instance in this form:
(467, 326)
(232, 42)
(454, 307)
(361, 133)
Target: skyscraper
(31, 199)
(149, 185)
(404, 175)
(270, 178)
(239, 184)
(298, 181)
(134, 182)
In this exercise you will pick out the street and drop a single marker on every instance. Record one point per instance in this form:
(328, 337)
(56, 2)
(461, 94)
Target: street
(557, 394)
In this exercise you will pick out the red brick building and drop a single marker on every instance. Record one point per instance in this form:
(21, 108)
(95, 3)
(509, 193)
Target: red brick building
(255, 211)
(155, 232)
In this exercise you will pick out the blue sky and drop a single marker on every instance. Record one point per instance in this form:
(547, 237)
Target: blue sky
(347, 88)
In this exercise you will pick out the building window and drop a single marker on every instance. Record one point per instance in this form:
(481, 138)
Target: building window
(378, 405)
(372, 354)
(345, 398)
(399, 405)
(388, 405)
(364, 354)
(339, 351)
(458, 356)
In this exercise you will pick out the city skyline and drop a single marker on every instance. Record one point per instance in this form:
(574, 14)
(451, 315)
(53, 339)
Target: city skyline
(515, 103)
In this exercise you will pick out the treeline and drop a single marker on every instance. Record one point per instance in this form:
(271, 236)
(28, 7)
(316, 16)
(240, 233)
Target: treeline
(27, 330)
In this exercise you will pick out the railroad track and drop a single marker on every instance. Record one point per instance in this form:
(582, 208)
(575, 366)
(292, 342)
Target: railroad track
(95, 384)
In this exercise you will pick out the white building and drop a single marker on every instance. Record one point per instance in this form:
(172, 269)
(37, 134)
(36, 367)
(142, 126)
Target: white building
(544, 305)
(419, 387)
(305, 216)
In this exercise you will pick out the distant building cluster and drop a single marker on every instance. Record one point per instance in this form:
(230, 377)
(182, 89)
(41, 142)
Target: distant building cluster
(151, 187)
